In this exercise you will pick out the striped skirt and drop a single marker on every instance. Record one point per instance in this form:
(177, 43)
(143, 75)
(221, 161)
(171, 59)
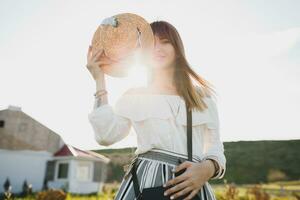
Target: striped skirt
(154, 168)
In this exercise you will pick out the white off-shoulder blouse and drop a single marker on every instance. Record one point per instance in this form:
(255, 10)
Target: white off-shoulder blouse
(159, 121)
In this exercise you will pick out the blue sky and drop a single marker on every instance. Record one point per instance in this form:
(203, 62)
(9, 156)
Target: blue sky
(248, 49)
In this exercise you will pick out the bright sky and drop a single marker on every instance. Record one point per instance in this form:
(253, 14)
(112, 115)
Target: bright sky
(250, 51)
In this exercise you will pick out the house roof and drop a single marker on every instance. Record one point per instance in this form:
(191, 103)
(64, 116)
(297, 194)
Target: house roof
(68, 150)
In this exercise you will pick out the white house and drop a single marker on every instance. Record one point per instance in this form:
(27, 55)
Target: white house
(76, 170)
(18, 165)
(30, 151)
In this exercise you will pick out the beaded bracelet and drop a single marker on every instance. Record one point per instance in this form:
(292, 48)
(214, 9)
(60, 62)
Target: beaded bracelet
(100, 92)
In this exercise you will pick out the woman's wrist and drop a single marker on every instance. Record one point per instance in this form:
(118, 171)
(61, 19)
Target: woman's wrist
(100, 93)
(211, 166)
(101, 100)
(100, 84)
(100, 97)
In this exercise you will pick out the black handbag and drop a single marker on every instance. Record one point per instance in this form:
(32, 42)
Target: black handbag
(157, 192)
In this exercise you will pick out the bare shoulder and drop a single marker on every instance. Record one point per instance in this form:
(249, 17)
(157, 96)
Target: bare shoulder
(135, 90)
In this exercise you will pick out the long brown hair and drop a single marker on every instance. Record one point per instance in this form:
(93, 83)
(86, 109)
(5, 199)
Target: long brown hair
(183, 73)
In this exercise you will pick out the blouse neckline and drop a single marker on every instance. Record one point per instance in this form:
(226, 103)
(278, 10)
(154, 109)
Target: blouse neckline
(152, 94)
(142, 106)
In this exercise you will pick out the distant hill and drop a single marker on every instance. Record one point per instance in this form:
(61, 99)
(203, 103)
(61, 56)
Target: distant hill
(247, 161)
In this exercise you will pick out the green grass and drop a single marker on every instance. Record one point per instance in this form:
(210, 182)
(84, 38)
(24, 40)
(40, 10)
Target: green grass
(287, 190)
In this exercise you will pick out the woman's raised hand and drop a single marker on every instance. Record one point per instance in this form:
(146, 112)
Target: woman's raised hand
(94, 63)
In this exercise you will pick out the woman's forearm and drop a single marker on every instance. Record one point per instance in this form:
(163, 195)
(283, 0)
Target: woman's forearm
(100, 81)
(100, 85)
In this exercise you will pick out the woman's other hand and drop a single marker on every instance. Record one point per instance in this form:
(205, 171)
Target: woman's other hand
(191, 181)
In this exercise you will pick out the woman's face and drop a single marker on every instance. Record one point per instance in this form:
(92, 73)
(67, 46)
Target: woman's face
(164, 53)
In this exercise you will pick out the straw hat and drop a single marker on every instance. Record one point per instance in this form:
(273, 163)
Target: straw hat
(121, 36)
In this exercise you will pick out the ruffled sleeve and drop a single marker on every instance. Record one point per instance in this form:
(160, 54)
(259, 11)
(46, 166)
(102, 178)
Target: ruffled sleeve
(213, 146)
(108, 126)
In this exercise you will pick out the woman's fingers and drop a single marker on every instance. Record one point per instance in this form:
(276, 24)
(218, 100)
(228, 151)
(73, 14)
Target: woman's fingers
(98, 57)
(98, 63)
(101, 62)
(91, 55)
(94, 58)
(98, 53)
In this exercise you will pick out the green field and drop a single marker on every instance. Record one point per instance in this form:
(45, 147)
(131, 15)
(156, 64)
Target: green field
(288, 190)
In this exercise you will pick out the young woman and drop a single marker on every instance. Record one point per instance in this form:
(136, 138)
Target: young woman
(157, 112)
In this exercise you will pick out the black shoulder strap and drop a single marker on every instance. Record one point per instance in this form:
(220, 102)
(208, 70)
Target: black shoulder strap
(189, 133)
